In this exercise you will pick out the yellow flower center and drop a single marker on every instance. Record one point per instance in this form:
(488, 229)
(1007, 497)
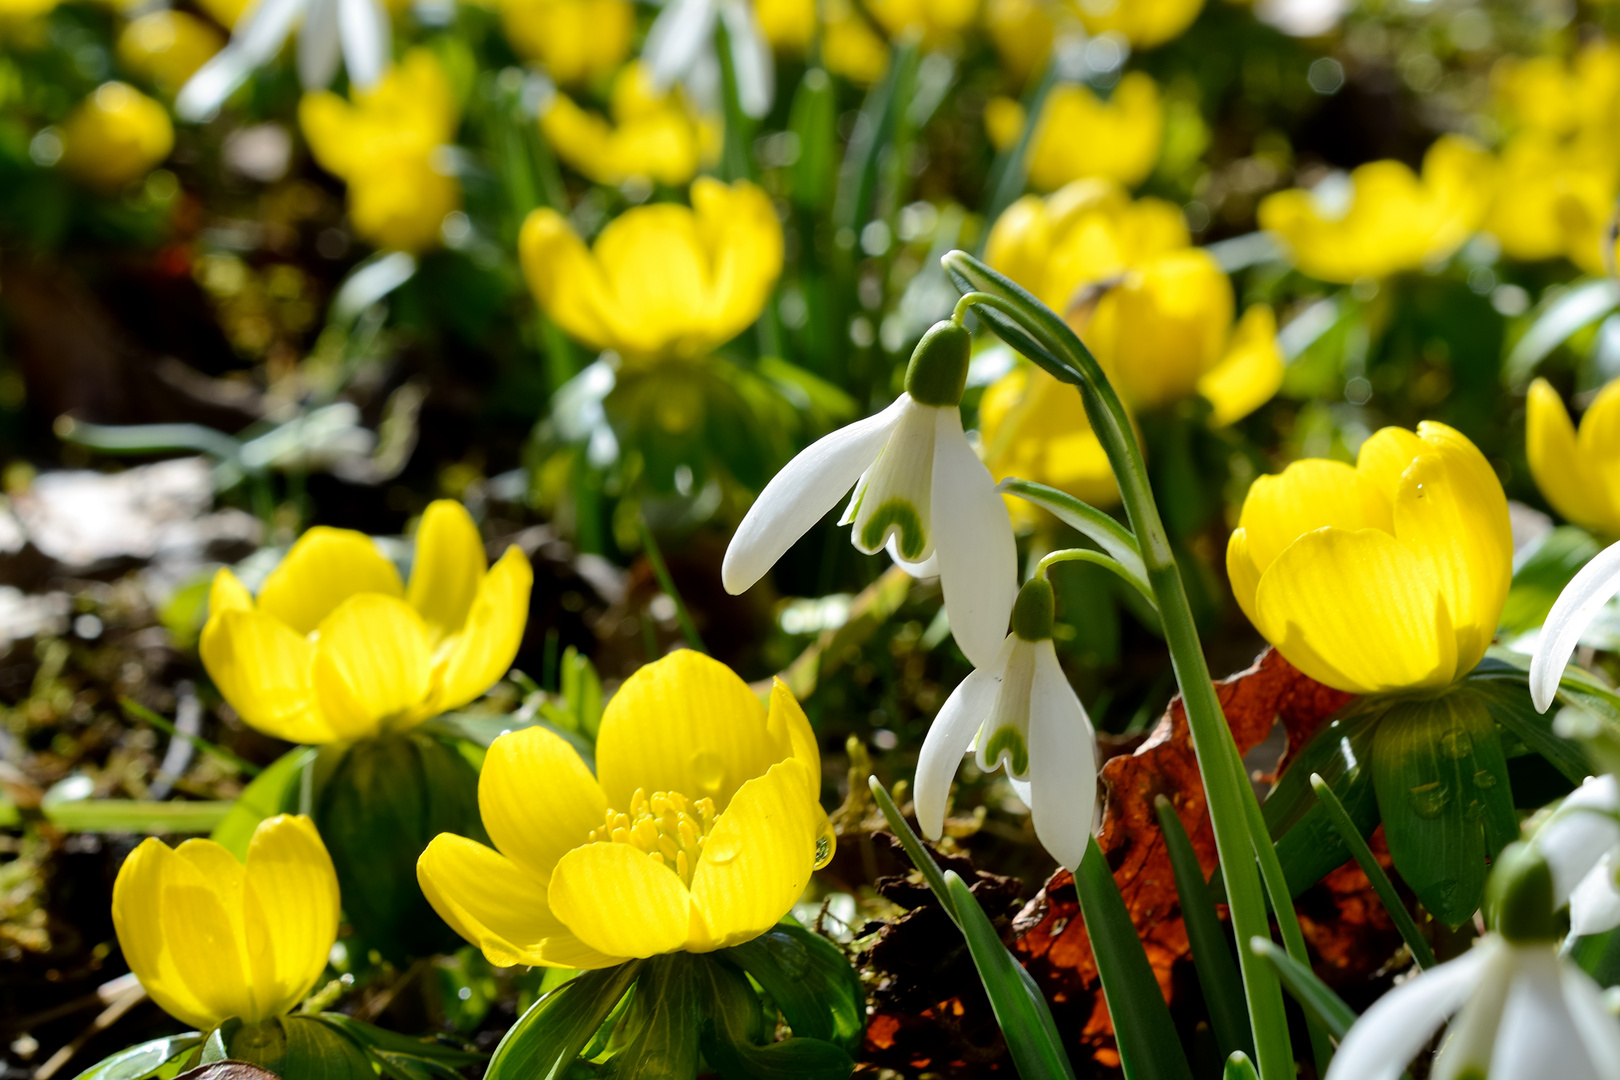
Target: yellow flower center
(666, 826)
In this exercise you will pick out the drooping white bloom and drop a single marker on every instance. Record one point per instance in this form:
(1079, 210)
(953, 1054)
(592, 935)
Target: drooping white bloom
(1573, 611)
(1581, 843)
(357, 32)
(1521, 1013)
(920, 491)
(1023, 716)
(683, 35)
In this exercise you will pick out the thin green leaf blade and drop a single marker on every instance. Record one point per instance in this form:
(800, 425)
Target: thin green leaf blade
(143, 1060)
(1303, 985)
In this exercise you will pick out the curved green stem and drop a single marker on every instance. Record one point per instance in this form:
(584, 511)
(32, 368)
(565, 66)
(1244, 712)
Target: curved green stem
(1097, 558)
(1038, 332)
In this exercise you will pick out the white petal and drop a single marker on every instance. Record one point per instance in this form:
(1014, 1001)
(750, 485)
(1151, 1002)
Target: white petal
(1580, 833)
(1538, 1039)
(1576, 606)
(263, 29)
(1594, 904)
(751, 60)
(1598, 1028)
(1010, 710)
(948, 739)
(1390, 1034)
(897, 499)
(212, 83)
(797, 497)
(1471, 1039)
(368, 41)
(1062, 761)
(319, 45)
(928, 568)
(679, 33)
(978, 558)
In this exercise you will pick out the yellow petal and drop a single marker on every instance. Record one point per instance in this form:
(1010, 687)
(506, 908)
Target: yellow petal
(1164, 326)
(488, 642)
(372, 664)
(1309, 494)
(227, 593)
(537, 799)
(327, 121)
(1384, 458)
(1243, 573)
(620, 901)
(1561, 471)
(566, 280)
(758, 858)
(1357, 611)
(323, 569)
(292, 878)
(204, 939)
(264, 670)
(685, 723)
(137, 912)
(448, 569)
(789, 726)
(743, 239)
(1250, 373)
(488, 899)
(1599, 443)
(654, 261)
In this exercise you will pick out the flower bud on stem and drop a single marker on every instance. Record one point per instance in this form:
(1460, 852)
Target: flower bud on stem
(1032, 613)
(937, 374)
(1519, 896)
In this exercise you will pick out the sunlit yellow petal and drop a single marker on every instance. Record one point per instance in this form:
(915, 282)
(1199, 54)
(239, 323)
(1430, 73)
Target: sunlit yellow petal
(1250, 373)
(757, 860)
(1358, 611)
(534, 823)
(1242, 573)
(685, 723)
(323, 569)
(204, 940)
(1309, 494)
(1599, 442)
(743, 238)
(566, 281)
(372, 663)
(1384, 458)
(291, 875)
(137, 907)
(263, 670)
(1159, 331)
(621, 901)
(448, 567)
(488, 899)
(227, 593)
(1562, 472)
(789, 726)
(488, 642)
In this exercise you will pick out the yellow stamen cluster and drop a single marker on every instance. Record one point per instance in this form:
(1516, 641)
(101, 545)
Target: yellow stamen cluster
(665, 826)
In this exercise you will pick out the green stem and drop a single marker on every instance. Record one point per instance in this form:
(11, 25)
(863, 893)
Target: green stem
(1097, 558)
(667, 583)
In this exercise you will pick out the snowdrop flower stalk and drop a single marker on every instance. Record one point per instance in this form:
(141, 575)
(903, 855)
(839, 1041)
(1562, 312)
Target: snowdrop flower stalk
(1517, 1010)
(920, 491)
(357, 32)
(680, 43)
(1023, 715)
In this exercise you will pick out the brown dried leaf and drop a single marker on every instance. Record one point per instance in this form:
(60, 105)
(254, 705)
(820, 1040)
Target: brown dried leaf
(228, 1070)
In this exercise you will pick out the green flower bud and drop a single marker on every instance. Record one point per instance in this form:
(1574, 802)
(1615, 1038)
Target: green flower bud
(937, 373)
(1519, 896)
(1032, 613)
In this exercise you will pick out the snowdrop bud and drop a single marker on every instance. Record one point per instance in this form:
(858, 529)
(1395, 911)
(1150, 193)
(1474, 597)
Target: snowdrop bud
(937, 374)
(1032, 613)
(1519, 896)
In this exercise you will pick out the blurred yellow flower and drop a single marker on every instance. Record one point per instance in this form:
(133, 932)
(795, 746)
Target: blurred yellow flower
(20, 11)
(211, 939)
(1080, 136)
(1545, 94)
(699, 830)
(167, 47)
(1022, 31)
(938, 21)
(336, 648)
(385, 146)
(1578, 473)
(1034, 427)
(788, 25)
(1385, 220)
(577, 40)
(849, 47)
(1552, 197)
(1384, 576)
(1144, 23)
(661, 281)
(115, 136)
(655, 136)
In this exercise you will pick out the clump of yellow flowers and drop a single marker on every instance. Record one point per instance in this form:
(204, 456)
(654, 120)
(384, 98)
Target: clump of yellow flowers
(385, 145)
(1079, 136)
(653, 136)
(115, 136)
(716, 265)
(1385, 576)
(699, 830)
(335, 648)
(577, 40)
(167, 47)
(211, 939)
(1575, 470)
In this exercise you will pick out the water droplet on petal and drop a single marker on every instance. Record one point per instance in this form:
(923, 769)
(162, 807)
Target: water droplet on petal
(721, 847)
(1429, 799)
(709, 770)
(1456, 744)
(826, 844)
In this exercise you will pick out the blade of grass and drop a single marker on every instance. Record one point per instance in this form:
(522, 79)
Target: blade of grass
(136, 816)
(136, 711)
(1369, 865)
(1317, 998)
(1239, 1067)
(667, 583)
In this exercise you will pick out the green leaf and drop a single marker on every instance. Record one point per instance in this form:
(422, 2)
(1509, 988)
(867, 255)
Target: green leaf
(1444, 796)
(1542, 573)
(1035, 1054)
(401, 1056)
(732, 1031)
(291, 1046)
(1559, 319)
(660, 1029)
(142, 1061)
(135, 815)
(274, 791)
(546, 1039)
(1507, 698)
(1303, 985)
(1108, 534)
(813, 117)
(819, 993)
(1148, 1046)
(1239, 1067)
(1213, 961)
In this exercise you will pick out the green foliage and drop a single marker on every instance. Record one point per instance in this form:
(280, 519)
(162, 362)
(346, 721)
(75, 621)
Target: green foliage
(143, 1061)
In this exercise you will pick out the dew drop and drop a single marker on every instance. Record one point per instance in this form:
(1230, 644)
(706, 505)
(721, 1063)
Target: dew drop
(1484, 779)
(826, 844)
(721, 847)
(1429, 799)
(1456, 744)
(709, 770)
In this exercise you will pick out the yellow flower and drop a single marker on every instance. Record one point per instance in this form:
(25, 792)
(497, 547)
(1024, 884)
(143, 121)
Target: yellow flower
(655, 136)
(1022, 31)
(335, 648)
(1553, 198)
(938, 21)
(1145, 23)
(211, 939)
(1036, 428)
(1578, 473)
(1388, 221)
(115, 136)
(577, 40)
(1384, 576)
(384, 146)
(1080, 136)
(167, 47)
(787, 24)
(661, 281)
(699, 830)
(1547, 95)
(849, 47)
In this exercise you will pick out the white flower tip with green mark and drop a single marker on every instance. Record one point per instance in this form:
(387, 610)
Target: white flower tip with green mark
(1573, 611)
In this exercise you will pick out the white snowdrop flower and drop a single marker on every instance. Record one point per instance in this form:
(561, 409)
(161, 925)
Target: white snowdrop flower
(683, 34)
(357, 32)
(920, 491)
(1022, 715)
(1581, 843)
(1517, 1010)
(1573, 611)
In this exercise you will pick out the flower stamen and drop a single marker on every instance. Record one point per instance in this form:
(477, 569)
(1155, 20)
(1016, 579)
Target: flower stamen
(667, 826)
